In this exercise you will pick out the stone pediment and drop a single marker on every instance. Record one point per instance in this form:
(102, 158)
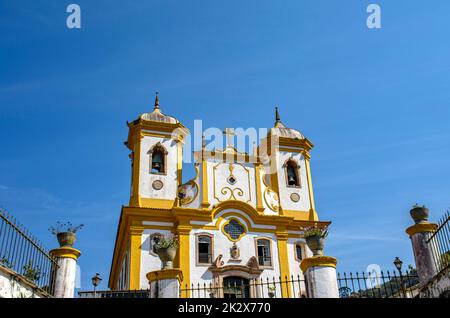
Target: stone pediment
(252, 266)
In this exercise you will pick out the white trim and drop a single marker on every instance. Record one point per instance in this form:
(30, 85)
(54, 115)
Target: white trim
(157, 223)
(157, 132)
(293, 148)
(296, 232)
(245, 220)
(199, 222)
(246, 217)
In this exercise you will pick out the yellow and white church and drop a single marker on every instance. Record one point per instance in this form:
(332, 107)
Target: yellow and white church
(235, 219)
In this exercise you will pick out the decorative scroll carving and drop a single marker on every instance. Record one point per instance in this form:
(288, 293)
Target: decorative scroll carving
(253, 263)
(233, 193)
(218, 262)
(235, 188)
(272, 200)
(270, 196)
(189, 191)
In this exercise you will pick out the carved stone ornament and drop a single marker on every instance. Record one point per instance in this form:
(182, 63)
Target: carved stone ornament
(295, 197)
(188, 192)
(218, 262)
(253, 263)
(234, 252)
(272, 200)
(218, 268)
(157, 184)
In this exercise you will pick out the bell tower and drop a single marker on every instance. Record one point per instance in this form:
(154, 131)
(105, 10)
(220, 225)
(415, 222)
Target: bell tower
(155, 141)
(289, 174)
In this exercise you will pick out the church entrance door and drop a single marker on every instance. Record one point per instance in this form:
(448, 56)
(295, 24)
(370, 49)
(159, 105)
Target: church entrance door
(235, 287)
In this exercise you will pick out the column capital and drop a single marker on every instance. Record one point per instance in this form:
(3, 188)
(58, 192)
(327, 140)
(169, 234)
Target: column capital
(184, 229)
(184, 225)
(174, 273)
(323, 261)
(421, 228)
(281, 235)
(136, 230)
(65, 252)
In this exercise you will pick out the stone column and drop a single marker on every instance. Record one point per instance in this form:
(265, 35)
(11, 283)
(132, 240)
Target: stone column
(165, 283)
(423, 253)
(320, 275)
(64, 281)
(183, 258)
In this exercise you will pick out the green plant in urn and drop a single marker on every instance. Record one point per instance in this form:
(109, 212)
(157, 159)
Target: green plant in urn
(166, 247)
(315, 238)
(65, 233)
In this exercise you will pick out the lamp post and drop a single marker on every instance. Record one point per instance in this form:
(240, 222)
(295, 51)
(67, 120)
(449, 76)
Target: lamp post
(96, 280)
(398, 264)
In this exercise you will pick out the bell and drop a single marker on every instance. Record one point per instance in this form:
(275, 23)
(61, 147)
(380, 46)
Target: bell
(291, 177)
(291, 180)
(157, 162)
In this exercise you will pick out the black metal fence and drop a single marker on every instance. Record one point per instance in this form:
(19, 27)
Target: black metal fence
(293, 287)
(22, 253)
(364, 285)
(439, 242)
(378, 285)
(144, 293)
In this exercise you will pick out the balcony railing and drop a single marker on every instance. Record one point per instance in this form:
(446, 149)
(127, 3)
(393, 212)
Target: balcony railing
(439, 242)
(22, 253)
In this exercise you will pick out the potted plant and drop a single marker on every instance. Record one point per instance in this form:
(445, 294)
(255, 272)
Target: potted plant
(65, 233)
(315, 239)
(166, 248)
(419, 213)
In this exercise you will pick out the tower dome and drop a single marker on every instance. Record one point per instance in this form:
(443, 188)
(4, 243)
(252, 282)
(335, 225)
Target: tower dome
(282, 131)
(157, 116)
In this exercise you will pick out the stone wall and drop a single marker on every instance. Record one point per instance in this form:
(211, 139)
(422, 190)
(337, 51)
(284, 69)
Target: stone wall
(13, 285)
(438, 286)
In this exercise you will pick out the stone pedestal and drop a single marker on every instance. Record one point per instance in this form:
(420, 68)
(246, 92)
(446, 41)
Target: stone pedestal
(423, 253)
(64, 282)
(165, 283)
(320, 274)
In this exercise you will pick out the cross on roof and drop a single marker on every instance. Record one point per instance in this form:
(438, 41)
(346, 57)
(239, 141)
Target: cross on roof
(229, 133)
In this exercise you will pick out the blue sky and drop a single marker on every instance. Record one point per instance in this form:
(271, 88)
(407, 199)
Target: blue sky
(374, 102)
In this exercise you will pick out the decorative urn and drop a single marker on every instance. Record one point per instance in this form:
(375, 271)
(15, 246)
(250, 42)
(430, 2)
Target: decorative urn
(167, 255)
(66, 238)
(316, 244)
(419, 214)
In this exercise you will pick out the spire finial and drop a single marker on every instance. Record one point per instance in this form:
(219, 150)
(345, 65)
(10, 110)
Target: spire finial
(156, 101)
(203, 141)
(278, 122)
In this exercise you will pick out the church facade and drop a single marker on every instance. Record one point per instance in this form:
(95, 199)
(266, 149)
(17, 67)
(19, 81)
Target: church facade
(241, 217)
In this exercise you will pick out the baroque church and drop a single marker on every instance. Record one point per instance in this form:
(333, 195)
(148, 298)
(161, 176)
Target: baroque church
(236, 220)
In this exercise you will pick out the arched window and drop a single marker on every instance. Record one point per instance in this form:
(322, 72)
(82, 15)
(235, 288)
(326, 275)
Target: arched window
(299, 252)
(158, 155)
(204, 249)
(263, 252)
(292, 175)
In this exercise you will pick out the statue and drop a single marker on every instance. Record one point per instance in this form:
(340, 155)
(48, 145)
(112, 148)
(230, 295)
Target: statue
(234, 252)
